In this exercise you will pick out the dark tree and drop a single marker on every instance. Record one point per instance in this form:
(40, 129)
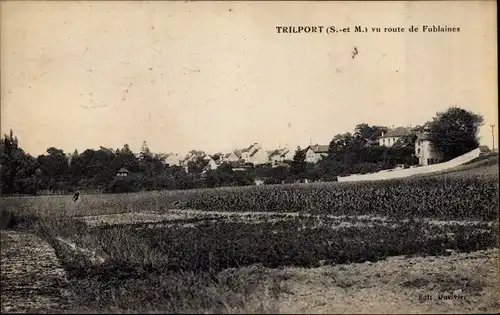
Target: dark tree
(298, 165)
(17, 169)
(455, 132)
(367, 132)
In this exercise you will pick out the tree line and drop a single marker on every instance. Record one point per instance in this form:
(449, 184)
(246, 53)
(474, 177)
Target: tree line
(452, 133)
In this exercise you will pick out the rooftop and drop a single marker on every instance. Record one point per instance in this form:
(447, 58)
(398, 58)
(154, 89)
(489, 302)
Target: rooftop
(317, 148)
(397, 132)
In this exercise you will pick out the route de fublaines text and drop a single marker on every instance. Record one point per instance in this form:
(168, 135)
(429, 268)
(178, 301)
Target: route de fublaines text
(366, 29)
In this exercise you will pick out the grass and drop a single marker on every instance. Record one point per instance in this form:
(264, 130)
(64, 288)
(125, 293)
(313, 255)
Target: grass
(467, 196)
(486, 165)
(300, 242)
(220, 267)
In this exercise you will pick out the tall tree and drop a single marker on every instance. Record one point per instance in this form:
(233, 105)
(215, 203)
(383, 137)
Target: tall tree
(298, 165)
(367, 132)
(127, 159)
(455, 132)
(9, 163)
(54, 167)
(17, 169)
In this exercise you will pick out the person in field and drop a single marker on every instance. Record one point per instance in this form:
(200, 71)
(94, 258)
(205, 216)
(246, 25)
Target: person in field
(76, 201)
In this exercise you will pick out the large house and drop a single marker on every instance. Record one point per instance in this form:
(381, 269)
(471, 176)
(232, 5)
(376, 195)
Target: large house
(255, 154)
(213, 162)
(423, 150)
(392, 136)
(245, 153)
(172, 159)
(192, 155)
(231, 157)
(276, 157)
(316, 152)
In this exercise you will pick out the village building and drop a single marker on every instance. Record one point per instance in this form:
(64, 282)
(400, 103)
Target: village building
(213, 162)
(392, 136)
(255, 154)
(316, 152)
(231, 157)
(122, 172)
(423, 150)
(278, 156)
(172, 159)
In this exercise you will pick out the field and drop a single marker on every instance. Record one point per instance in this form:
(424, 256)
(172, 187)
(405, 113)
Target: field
(279, 248)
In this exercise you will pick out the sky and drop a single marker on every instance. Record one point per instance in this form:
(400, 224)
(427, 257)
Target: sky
(217, 76)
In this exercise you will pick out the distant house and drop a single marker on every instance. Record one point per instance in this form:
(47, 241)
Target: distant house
(316, 152)
(192, 155)
(172, 159)
(245, 153)
(122, 172)
(287, 154)
(231, 157)
(392, 136)
(423, 150)
(255, 154)
(258, 156)
(276, 157)
(212, 163)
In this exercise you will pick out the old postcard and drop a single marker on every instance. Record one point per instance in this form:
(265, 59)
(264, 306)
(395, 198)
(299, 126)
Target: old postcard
(249, 157)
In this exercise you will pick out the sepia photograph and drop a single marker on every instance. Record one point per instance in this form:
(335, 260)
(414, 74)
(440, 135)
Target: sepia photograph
(277, 157)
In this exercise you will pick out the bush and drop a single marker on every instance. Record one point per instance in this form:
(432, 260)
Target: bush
(125, 184)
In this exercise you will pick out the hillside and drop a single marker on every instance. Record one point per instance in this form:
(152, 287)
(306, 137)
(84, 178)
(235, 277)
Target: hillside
(483, 165)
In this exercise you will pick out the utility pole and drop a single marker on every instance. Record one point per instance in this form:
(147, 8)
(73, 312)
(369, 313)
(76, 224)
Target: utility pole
(493, 136)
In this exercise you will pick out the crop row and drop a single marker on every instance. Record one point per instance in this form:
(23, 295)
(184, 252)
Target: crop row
(441, 197)
(214, 246)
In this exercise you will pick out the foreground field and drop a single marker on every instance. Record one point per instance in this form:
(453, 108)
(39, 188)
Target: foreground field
(324, 247)
(457, 283)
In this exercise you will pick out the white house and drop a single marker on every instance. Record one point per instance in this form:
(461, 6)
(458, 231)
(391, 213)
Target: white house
(254, 154)
(212, 164)
(275, 156)
(173, 159)
(193, 155)
(392, 136)
(258, 156)
(287, 154)
(230, 157)
(280, 155)
(316, 152)
(424, 151)
(245, 153)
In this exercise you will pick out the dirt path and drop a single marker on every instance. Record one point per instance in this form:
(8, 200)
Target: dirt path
(32, 279)
(462, 283)
(176, 216)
